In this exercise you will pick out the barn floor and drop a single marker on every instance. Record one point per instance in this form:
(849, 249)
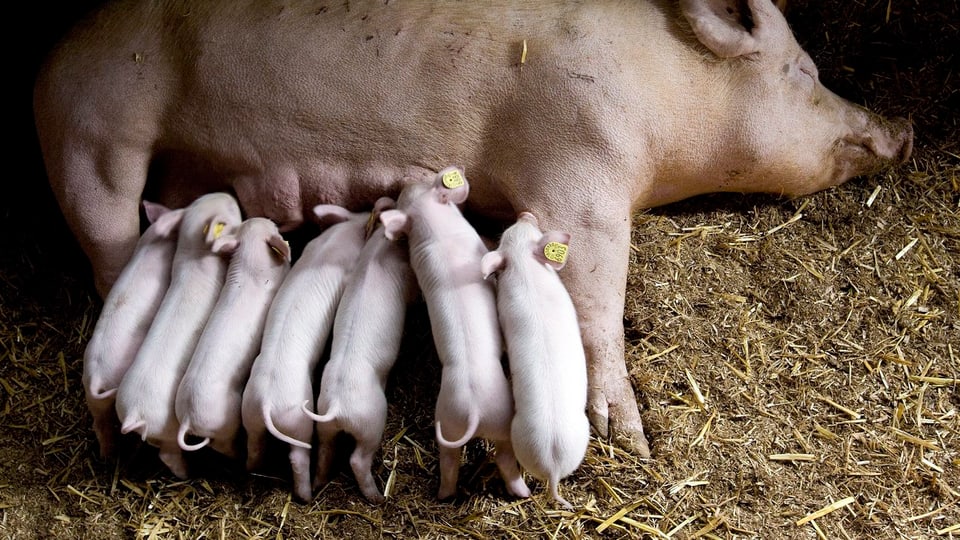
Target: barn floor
(796, 362)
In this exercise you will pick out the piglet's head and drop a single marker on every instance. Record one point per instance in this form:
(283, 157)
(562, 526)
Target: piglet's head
(524, 239)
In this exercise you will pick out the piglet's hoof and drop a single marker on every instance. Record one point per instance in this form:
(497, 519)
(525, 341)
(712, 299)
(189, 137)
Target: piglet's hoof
(612, 410)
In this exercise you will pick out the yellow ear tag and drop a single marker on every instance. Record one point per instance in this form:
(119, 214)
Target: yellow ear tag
(371, 223)
(218, 229)
(278, 252)
(452, 179)
(556, 252)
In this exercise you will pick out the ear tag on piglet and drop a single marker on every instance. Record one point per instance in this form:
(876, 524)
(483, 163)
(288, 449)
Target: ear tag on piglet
(452, 179)
(217, 229)
(556, 252)
(371, 223)
(280, 253)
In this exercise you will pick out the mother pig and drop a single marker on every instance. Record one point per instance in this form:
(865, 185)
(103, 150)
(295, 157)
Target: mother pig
(579, 112)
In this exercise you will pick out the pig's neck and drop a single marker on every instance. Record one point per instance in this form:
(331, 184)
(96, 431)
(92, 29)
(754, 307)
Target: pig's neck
(699, 143)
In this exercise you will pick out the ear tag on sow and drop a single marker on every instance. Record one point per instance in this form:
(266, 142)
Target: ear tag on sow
(556, 252)
(452, 179)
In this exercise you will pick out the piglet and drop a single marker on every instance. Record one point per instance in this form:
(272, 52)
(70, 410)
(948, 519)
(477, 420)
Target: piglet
(548, 369)
(366, 339)
(145, 398)
(445, 253)
(295, 335)
(127, 312)
(209, 396)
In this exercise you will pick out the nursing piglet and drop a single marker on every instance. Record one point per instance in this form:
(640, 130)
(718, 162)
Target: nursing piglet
(548, 369)
(366, 339)
(295, 334)
(445, 253)
(125, 318)
(145, 399)
(210, 393)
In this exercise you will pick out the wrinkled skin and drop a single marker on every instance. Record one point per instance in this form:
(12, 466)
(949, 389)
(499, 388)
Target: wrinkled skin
(615, 106)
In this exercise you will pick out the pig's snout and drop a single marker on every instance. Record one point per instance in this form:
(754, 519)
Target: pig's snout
(890, 143)
(905, 143)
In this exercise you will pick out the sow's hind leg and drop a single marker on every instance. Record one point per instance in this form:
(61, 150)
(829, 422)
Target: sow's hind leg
(99, 194)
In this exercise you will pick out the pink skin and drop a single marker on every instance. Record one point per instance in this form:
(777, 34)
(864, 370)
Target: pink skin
(445, 253)
(145, 398)
(295, 334)
(366, 339)
(125, 318)
(618, 106)
(550, 431)
(209, 395)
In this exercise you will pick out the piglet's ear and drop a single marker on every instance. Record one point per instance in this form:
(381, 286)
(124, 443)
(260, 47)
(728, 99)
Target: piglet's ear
(396, 223)
(492, 262)
(552, 249)
(279, 246)
(168, 223)
(384, 203)
(331, 214)
(225, 245)
(154, 210)
(452, 186)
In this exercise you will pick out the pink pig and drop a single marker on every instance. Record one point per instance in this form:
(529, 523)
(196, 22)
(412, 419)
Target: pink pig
(366, 340)
(548, 368)
(210, 393)
(125, 318)
(145, 399)
(445, 253)
(295, 334)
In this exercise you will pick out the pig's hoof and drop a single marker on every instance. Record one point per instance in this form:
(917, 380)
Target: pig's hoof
(375, 498)
(613, 413)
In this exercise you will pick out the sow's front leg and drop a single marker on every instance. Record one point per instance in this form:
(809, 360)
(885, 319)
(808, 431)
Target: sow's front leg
(596, 277)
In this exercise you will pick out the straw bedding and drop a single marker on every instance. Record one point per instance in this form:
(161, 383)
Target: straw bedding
(796, 362)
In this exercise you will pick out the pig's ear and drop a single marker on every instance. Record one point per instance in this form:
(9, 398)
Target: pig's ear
(331, 214)
(552, 249)
(225, 245)
(395, 223)
(384, 203)
(492, 262)
(154, 210)
(452, 185)
(167, 223)
(724, 29)
(279, 246)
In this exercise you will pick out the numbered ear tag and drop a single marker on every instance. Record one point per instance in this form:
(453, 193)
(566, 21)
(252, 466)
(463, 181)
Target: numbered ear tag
(452, 179)
(556, 252)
